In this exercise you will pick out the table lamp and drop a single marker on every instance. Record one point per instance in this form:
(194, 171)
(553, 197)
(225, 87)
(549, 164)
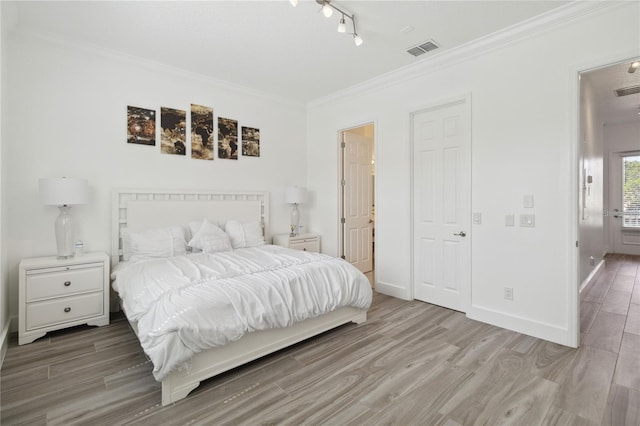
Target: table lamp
(64, 192)
(295, 195)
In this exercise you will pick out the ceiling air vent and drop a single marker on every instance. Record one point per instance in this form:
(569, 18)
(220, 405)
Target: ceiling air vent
(627, 91)
(422, 48)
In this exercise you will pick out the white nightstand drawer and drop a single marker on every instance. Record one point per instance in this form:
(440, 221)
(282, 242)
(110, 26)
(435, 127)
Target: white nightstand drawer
(47, 283)
(67, 309)
(305, 242)
(305, 245)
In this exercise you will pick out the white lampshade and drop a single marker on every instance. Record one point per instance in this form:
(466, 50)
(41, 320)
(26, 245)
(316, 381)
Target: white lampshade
(64, 191)
(295, 195)
(327, 11)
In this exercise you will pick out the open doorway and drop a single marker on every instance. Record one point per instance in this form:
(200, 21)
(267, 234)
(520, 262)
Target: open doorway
(356, 180)
(609, 200)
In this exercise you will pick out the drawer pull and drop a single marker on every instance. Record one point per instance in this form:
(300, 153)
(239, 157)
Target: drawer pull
(67, 309)
(67, 283)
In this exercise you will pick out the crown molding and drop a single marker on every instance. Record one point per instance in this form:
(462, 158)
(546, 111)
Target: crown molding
(154, 66)
(576, 10)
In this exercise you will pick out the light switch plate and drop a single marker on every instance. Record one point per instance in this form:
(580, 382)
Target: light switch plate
(509, 220)
(527, 201)
(477, 218)
(528, 220)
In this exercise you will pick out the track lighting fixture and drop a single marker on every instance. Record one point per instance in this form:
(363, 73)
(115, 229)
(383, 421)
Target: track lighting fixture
(327, 10)
(633, 67)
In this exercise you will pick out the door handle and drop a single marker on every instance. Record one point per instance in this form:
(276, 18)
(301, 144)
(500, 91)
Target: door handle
(461, 234)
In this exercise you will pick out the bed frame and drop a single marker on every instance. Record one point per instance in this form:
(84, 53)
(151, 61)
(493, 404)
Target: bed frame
(137, 210)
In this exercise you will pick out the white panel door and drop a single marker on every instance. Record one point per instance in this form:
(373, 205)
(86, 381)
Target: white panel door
(442, 205)
(358, 247)
(624, 202)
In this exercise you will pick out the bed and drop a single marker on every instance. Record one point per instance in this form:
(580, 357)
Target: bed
(143, 210)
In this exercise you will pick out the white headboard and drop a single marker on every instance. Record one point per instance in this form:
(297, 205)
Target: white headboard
(141, 209)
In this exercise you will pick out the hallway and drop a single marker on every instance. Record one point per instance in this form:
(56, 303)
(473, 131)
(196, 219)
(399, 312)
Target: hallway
(610, 334)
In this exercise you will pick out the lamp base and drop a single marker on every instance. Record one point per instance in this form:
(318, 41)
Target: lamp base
(64, 233)
(295, 220)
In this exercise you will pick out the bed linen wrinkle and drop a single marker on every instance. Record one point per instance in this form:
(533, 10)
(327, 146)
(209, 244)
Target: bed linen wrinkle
(187, 304)
(154, 272)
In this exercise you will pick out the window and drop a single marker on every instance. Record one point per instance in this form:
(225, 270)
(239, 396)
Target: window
(631, 191)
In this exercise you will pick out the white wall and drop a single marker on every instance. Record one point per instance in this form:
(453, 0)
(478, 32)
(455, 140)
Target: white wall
(524, 131)
(4, 282)
(67, 117)
(591, 195)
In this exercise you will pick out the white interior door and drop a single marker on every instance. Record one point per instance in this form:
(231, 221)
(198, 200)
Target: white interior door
(357, 202)
(624, 202)
(442, 205)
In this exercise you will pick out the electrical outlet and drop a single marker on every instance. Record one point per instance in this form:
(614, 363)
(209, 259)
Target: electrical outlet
(508, 293)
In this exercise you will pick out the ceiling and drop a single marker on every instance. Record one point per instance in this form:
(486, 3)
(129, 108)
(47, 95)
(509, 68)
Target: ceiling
(291, 52)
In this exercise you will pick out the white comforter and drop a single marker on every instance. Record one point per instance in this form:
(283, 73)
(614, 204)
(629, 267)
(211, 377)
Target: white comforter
(186, 304)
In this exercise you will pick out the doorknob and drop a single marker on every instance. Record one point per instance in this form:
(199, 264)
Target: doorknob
(461, 234)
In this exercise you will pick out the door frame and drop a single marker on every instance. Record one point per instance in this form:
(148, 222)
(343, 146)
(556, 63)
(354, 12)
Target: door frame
(340, 211)
(440, 103)
(573, 289)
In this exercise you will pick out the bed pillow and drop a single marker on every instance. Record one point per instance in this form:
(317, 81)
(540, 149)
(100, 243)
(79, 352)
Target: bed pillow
(162, 242)
(244, 234)
(194, 226)
(209, 238)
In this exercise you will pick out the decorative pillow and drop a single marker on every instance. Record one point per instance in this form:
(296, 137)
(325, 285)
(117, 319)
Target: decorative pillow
(209, 238)
(244, 234)
(194, 226)
(163, 242)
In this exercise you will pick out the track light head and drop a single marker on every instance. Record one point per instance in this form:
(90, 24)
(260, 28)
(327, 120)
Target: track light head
(633, 67)
(342, 26)
(357, 39)
(294, 3)
(327, 11)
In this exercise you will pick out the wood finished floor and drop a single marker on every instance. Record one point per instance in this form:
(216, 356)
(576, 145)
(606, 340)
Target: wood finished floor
(410, 363)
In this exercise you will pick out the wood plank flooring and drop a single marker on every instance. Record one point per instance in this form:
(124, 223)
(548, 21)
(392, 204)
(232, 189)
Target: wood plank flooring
(410, 363)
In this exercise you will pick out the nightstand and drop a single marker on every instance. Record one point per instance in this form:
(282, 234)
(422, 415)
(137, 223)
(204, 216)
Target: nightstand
(305, 242)
(59, 293)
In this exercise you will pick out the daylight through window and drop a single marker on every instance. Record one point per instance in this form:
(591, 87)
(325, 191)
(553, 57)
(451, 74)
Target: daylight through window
(631, 191)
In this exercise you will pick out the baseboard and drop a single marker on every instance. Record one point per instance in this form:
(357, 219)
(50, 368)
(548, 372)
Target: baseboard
(392, 290)
(4, 341)
(593, 276)
(522, 325)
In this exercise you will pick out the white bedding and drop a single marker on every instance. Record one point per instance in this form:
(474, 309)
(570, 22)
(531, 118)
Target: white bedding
(186, 304)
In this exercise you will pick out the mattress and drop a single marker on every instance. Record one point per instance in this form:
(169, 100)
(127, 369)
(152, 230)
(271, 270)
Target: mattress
(187, 304)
